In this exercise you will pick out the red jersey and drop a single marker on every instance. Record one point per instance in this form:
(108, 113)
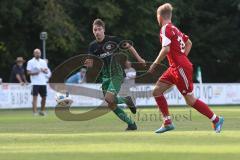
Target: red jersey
(173, 37)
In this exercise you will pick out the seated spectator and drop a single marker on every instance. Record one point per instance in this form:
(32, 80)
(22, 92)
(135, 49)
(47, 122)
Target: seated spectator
(79, 77)
(130, 74)
(18, 72)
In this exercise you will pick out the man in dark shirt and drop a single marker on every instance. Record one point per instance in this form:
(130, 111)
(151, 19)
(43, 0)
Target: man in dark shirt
(18, 72)
(112, 75)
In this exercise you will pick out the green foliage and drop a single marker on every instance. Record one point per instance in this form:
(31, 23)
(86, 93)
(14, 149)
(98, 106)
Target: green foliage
(63, 34)
(212, 26)
(3, 50)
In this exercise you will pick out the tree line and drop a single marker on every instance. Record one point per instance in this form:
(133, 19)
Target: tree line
(213, 26)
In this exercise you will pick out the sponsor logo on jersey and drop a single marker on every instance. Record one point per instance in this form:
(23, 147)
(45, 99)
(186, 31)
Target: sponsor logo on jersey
(106, 54)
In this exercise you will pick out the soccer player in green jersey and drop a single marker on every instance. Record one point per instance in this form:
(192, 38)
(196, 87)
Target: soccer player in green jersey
(112, 74)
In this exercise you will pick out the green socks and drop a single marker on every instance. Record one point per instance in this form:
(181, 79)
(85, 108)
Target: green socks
(120, 100)
(123, 116)
(120, 113)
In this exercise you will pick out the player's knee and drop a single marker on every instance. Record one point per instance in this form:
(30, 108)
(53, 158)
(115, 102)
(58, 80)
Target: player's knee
(190, 100)
(109, 100)
(156, 92)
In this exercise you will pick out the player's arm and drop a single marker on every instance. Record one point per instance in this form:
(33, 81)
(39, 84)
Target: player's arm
(188, 46)
(166, 36)
(128, 46)
(133, 51)
(162, 54)
(89, 62)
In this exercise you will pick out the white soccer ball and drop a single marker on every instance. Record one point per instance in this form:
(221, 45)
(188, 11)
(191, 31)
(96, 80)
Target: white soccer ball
(63, 99)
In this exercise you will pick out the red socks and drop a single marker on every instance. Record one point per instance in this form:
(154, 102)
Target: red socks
(205, 110)
(163, 106)
(199, 106)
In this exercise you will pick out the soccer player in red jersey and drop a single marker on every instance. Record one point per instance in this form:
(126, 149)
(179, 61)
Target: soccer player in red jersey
(176, 47)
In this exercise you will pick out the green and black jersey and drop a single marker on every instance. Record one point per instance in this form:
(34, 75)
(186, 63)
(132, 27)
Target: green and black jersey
(107, 50)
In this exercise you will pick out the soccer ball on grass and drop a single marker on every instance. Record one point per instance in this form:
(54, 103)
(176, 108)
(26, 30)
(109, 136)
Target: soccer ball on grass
(63, 99)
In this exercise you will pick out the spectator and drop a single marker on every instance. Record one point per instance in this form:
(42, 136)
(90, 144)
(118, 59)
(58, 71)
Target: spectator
(130, 74)
(49, 74)
(18, 72)
(79, 77)
(38, 70)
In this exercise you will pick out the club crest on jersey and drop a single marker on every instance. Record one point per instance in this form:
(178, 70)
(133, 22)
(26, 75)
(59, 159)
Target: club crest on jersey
(110, 46)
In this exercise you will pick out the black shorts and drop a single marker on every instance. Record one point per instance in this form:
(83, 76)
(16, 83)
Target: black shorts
(39, 89)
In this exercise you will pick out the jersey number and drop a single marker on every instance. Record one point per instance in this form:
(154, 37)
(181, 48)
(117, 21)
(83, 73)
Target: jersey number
(182, 44)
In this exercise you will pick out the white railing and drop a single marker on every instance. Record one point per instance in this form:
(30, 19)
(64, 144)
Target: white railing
(17, 96)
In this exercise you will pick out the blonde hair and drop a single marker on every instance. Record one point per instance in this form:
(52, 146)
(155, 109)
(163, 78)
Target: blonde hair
(165, 11)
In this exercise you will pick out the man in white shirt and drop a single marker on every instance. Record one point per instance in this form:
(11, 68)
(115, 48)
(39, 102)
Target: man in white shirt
(38, 70)
(130, 74)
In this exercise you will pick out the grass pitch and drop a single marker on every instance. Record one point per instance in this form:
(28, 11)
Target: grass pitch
(25, 137)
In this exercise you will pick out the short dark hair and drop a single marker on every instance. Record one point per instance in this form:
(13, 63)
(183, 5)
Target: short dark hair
(99, 22)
